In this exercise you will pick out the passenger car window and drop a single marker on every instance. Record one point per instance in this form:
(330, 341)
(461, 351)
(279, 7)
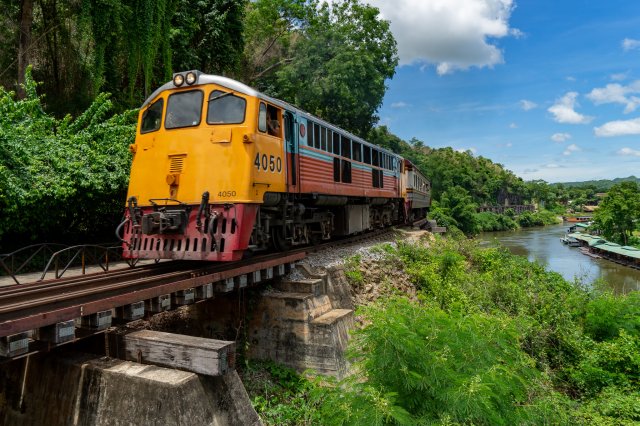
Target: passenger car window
(183, 109)
(152, 117)
(225, 108)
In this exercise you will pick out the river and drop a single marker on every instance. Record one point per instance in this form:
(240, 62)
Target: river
(543, 244)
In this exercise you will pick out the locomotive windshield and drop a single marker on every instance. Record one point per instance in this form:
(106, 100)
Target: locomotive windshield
(151, 117)
(184, 109)
(225, 108)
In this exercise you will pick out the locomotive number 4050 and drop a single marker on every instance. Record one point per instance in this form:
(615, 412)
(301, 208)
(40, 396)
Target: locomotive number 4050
(269, 163)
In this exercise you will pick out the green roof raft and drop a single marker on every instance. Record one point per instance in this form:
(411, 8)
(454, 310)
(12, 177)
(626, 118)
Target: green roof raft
(604, 245)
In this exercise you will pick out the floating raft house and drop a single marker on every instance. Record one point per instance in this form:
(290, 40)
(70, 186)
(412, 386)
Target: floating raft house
(624, 255)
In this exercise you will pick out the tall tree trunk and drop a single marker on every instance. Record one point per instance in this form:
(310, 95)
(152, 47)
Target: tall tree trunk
(26, 18)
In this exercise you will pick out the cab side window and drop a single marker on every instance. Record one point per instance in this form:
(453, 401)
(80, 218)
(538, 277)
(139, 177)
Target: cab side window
(262, 118)
(152, 117)
(273, 121)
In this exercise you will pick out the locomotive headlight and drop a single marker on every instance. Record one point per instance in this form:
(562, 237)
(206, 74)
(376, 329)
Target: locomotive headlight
(178, 80)
(191, 78)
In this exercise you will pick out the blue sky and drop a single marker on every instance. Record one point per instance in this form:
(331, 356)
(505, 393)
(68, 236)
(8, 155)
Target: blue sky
(549, 89)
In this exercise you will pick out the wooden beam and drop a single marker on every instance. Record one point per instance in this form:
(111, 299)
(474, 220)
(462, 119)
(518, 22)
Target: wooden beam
(196, 354)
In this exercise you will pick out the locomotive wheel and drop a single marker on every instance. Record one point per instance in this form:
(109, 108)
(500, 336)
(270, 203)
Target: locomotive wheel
(279, 242)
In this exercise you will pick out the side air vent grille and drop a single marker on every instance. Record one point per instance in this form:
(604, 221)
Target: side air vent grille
(176, 163)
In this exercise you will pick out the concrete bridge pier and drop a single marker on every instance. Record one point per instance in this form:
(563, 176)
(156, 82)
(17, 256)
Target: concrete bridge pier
(82, 389)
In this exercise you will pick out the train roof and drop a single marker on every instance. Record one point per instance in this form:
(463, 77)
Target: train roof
(239, 87)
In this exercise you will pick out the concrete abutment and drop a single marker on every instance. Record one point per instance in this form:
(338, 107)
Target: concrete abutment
(302, 323)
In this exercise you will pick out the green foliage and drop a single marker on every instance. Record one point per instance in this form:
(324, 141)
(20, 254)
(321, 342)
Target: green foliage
(281, 396)
(61, 176)
(489, 221)
(602, 185)
(540, 218)
(331, 60)
(428, 366)
(456, 203)
(208, 35)
(615, 362)
(618, 212)
(352, 269)
(607, 314)
(131, 38)
(613, 406)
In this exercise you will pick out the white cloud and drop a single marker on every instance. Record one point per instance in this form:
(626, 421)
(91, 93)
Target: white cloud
(571, 79)
(617, 94)
(527, 105)
(630, 44)
(564, 110)
(618, 128)
(509, 144)
(513, 126)
(472, 150)
(629, 151)
(451, 34)
(619, 76)
(552, 166)
(399, 105)
(560, 137)
(571, 149)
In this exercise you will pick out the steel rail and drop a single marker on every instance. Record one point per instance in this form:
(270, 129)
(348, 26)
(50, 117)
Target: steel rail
(96, 277)
(28, 307)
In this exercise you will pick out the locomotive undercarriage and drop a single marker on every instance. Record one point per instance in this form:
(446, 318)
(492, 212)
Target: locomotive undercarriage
(283, 222)
(223, 232)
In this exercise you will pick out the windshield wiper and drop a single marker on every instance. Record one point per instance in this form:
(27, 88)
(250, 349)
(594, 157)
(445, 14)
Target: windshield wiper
(220, 96)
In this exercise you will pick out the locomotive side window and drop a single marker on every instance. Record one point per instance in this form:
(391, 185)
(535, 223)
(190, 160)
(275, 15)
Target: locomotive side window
(152, 117)
(375, 157)
(316, 135)
(323, 138)
(357, 151)
(262, 118)
(329, 140)
(184, 109)
(367, 154)
(346, 147)
(310, 133)
(336, 143)
(346, 171)
(225, 108)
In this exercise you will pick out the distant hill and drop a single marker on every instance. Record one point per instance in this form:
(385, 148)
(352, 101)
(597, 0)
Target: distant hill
(602, 184)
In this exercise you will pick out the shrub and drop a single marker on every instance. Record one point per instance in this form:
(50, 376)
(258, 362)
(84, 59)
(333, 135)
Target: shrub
(62, 175)
(423, 365)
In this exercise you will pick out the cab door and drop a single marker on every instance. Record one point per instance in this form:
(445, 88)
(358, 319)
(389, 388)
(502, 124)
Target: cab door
(291, 144)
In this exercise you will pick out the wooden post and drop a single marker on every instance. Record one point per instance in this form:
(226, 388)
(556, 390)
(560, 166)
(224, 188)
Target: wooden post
(196, 354)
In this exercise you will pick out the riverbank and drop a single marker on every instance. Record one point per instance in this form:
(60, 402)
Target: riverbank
(542, 244)
(487, 338)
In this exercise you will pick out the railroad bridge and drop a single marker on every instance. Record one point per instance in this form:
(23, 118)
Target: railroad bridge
(74, 351)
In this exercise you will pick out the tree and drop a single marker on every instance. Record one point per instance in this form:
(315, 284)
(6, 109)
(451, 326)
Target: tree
(619, 211)
(458, 204)
(331, 60)
(208, 35)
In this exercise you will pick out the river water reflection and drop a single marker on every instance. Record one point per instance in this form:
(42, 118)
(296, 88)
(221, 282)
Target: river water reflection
(543, 245)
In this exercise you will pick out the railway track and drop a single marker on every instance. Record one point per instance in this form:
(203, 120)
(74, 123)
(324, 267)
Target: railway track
(28, 307)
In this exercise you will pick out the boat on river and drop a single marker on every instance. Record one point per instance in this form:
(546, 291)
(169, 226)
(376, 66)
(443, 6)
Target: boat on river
(570, 241)
(576, 219)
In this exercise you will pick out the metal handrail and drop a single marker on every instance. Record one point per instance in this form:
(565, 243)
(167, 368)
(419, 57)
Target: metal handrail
(8, 260)
(97, 254)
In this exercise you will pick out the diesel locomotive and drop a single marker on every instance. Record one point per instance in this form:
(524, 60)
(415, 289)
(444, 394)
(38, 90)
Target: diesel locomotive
(220, 169)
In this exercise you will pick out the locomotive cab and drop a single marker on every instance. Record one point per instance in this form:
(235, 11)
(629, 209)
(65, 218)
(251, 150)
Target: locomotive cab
(206, 151)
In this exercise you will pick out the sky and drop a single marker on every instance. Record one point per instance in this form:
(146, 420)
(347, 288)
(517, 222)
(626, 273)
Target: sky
(548, 88)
